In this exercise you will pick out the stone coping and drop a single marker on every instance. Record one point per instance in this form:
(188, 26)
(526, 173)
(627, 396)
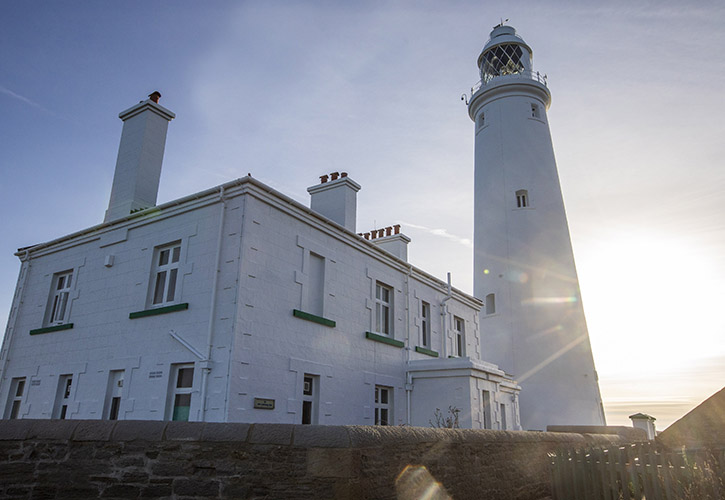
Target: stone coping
(303, 436)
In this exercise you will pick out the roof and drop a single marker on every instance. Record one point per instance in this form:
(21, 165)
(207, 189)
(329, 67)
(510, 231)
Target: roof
(702, 427)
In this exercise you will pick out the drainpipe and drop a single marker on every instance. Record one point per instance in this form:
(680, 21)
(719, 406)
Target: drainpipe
(7, 343)
(444, 332)
(408, 376)
(206, 364)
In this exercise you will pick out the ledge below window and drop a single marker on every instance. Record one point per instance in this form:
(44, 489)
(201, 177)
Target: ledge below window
(159, 310)
(382, 338)
(48, 329)
(423, 350)
(311, 317)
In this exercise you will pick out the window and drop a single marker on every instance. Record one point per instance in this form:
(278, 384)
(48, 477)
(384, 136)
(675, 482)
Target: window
(383, 405)
(383, 304)
(486, 400)
(522, 198)
(503, 417)
(316, 293)
(17, 387)
(535, 113)
(183, 381)
(481, 120)
(63, 397)
(459, 336)
(310, 398)
(59, 307)
(490, 303)
(425, 324)
(113, 395)
(165, 274)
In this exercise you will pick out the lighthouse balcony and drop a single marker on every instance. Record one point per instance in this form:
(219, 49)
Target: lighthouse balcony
(491, 80)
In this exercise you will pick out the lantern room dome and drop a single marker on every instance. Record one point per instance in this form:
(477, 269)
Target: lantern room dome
(505, 53)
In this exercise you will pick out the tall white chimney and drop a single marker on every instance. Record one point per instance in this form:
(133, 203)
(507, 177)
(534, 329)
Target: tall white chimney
(140, 154)
(336, 198)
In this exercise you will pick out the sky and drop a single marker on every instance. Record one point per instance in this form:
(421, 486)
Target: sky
(289, 91)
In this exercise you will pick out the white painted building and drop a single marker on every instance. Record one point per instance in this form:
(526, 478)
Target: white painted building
(239, 304)
(533, 325)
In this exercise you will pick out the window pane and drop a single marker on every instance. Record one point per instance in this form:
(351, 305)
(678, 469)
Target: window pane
(306, 412)
(55, 308)
(163, 257)
(182, 404)
(384, 396)
(176, 252)
(68, 384)
(377, 416)
(377, 397)
(19, 390)
(383, 416)
(62, 301)
(172, 285)
(68, 280)
(185, 378)
(15, 409)
(159, 290)
(115, 404)
(386, 320)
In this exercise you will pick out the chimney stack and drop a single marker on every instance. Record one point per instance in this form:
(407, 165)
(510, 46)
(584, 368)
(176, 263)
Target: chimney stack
(389, 239)
(140, 154)
(336, 199)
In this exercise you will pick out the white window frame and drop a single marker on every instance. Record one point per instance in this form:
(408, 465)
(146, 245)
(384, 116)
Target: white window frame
(310, 398)
(383, 405)
(175, 390)
(425, 319)
(165, 275)
(384, 309)
(63, 396)
(459, 336)
(60, 299)
(15, 397)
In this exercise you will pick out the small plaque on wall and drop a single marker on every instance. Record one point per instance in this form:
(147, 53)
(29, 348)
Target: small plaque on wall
(263, 404)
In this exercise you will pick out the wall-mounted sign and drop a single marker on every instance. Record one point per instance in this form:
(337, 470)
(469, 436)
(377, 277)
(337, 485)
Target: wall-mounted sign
(263, 404)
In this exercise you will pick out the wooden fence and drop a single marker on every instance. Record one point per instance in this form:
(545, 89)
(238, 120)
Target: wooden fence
(636, 471)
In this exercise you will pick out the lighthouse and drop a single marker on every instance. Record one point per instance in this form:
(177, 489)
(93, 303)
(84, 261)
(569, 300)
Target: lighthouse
(533, 323)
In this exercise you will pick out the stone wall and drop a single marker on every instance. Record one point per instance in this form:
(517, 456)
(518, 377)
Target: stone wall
(153, 459)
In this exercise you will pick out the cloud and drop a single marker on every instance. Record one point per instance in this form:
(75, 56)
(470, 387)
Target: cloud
(443, 233)
(12, 94)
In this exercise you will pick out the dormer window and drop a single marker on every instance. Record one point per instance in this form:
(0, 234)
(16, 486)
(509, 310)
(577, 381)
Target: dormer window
(522, 198)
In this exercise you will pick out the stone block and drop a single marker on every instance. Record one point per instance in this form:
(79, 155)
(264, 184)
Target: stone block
(320, 436)
(93, 430)
(327, 462)
(184, 431)
(133, 430)
(121, 491)
(52, 429)
(271, 434)
(11, 430)
(196, 488)
(214, 431)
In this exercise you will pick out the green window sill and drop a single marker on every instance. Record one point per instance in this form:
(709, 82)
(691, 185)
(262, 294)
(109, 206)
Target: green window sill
(382, 338)
(311, 317)
(423, 350)
(48, 329)
(159, 310)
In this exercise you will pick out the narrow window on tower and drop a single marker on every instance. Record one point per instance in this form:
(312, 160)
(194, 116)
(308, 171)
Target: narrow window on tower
(522, 198)
(383, 405)
(425, 324)
(316, 292)
(481, 120)
(490, 303)
(535, 113)
(486, 403)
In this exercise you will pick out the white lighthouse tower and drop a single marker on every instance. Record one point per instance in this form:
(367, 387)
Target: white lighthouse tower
(533, 323)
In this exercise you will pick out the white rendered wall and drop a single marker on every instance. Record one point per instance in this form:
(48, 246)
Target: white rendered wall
(538, 332)
(260, 350)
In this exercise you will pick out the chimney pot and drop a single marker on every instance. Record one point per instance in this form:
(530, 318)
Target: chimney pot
(155, 96)
(366, 236)
(388, 231)
(334, 175)
(397, 228)
(343, 174)
(323, 179)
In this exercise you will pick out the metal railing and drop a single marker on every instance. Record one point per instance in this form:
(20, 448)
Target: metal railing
(523, 75)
